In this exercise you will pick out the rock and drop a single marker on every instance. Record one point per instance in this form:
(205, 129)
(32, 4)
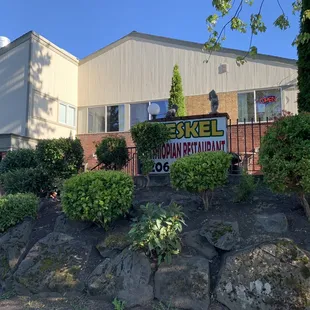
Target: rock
(200, 244)
(184, 283)
(54, 264)
(272, 223)
(217, 306)
(13, 245)
(223, 235)
(125, 277)
(113, 244)
(193, 202)
(272, 276)
(66, 226)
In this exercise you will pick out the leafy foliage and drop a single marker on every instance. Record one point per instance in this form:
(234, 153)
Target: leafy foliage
(148, 137)
(118, 305)
(21, 158)
(176, 92)
(100, 196)
(285, 155)
(60, 157)
(246, 187)
(158, 231)
(14, 208)
(201, 173)
(26, 180)
(232, 11)
(113, 153)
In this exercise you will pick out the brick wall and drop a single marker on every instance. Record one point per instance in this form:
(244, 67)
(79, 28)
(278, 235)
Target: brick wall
(200, 104)
(89, 142)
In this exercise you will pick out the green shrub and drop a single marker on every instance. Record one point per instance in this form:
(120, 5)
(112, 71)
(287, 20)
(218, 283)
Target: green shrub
(201, 173)
(100, 196)
(21, 158)
(158, 231)
(246, 187)
(148, 137)
(285, 156)
(118, 305)
(60, 157)
(14, 208)
(26, 180)
(113, 153)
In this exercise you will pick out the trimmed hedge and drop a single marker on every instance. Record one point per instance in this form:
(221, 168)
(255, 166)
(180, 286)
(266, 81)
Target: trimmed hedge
(60, 157)
(14, 208)
(26, 180)
(113, 153)
(99, 196)
(21, 158)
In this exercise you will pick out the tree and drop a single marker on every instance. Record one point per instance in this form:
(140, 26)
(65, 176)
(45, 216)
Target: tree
(231, 9)
(176, 92)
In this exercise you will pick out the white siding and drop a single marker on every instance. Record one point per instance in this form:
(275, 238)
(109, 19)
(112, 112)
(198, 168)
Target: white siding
(140, 70)
(54, 79)
(14, 70)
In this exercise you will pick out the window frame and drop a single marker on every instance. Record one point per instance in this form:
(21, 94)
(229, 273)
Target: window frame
(280, 89)
(67, 105)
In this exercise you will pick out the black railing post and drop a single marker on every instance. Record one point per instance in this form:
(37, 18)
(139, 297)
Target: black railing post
(245, 151)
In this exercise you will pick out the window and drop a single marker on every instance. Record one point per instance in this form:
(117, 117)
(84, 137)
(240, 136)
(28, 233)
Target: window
(259, 105)
(163, 105)
(96, 120)
(66, 114)
(138, 113)
(115, 118)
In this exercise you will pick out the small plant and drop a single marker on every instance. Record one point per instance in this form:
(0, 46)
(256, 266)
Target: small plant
(118, 305)
(246, 187)
(158, 231)
(99, 196)
(26, 180)
(162, 306)
(17, 159)
(285, 157)
(113, 153)
(14, 208)
(61, 157)
(176, 92)
(201, 173)
(148, 137)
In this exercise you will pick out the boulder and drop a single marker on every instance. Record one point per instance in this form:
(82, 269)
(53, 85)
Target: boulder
(113, 244)
(223, 235)
(13, 244)
(126, 277)
(273, 276)
(184, 284)
(54, 264)
(66, 226)
(202, 246)
(272, 223)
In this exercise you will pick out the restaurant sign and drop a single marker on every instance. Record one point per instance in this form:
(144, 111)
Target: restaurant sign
(190, 136)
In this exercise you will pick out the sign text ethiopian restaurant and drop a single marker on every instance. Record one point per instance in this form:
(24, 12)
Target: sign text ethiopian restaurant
(190, 137)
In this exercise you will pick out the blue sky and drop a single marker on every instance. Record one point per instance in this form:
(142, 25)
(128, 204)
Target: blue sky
(84, 26)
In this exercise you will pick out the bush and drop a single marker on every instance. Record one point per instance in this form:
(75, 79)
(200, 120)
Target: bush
(285, 156)
(148, 137)
(21, 158)
(14, 208)
(158, 231)
(99, 196)
(113, 153)
(26, 180)
(201, 173)
(60, 157)
(246, 187)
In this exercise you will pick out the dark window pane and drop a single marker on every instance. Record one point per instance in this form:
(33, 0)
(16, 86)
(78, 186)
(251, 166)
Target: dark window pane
(115, 118)
(96, 120)
(246, 107)
(138, 113)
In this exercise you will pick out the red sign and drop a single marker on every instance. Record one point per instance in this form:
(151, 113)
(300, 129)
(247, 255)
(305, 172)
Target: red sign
(267, 99)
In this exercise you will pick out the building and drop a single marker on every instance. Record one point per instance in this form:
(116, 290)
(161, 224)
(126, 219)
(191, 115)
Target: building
(45, 92)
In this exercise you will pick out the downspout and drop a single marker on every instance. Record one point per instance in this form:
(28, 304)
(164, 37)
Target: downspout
(28, 88)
